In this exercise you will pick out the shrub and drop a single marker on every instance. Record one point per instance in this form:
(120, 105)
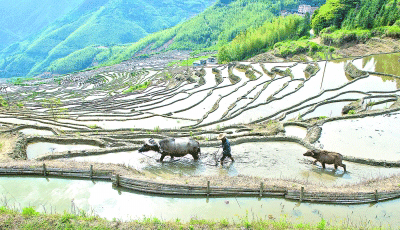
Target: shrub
(93, 126)
(393, 31)
(29, 211)
(341, 37)
(322, 224)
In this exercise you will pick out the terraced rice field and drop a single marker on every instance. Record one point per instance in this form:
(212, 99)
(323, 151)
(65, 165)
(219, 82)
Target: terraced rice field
(252, 102)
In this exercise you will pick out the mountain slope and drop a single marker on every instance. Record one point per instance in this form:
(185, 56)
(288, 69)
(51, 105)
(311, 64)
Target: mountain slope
(213, 28)
(20, 19)
(96, 23)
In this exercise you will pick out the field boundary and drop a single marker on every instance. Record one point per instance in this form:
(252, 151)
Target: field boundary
(207, 190)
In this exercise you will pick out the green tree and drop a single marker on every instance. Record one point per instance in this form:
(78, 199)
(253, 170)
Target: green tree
(3, 102)
(332, 14)
(54, 104)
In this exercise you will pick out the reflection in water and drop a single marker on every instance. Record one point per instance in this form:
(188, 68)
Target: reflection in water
(382, 63)
(296, 131)
(100, 198)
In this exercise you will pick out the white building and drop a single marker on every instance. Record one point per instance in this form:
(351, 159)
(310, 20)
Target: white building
(303, 9)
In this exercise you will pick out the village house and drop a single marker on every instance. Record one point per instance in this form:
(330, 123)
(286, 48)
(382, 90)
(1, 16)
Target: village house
(301, 10)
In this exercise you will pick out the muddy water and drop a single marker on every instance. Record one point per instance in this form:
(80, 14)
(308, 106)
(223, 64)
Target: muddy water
(370, 137)
(101, 199)
(37, 149)
(269, 160)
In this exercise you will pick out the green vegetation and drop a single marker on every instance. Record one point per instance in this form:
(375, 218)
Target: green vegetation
(188, 62)
(54, 104)
(343, 36)
(142, 86)
(31, 219)
(263, 38)
(3, 102)
(29, 211)
(352, 112)
(157, 129)
(22, 18)
(1, 146)
(332, 14)
(94, 126)
(81, 39)
(82, 36)
(342, 21)
(290, 48)
(19, 80)
(20, 104)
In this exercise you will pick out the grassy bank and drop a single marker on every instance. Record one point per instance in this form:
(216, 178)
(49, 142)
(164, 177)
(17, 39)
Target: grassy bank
(29, 218)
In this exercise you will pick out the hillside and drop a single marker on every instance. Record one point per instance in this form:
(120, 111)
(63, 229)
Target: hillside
(95, 24)
(23, 18)
(344, 29)
(340, 22)
(213, 28)
(69, 45)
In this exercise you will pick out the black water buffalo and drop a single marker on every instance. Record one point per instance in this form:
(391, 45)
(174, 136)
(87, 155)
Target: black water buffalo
(173, 147)
(326, 157)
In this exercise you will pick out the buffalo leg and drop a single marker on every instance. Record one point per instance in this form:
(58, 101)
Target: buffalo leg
(344, 167)
(195, 156)
(162, 157)
(323, 165)
(315, 162)
(336, 166)
(172, 157)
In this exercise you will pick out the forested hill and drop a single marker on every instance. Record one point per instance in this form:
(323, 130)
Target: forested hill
(211, 29)
(94, 23)
(22, 18)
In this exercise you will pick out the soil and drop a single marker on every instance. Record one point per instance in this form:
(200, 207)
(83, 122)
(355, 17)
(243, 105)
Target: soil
(7, 143)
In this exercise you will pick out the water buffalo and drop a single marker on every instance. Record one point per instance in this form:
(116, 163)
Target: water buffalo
(326, 157)
(173, 147)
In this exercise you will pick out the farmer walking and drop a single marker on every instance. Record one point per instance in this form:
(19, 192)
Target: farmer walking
(226, 146)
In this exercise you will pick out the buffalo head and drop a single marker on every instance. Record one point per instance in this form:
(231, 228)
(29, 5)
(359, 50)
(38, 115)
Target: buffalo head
(149, 145)
(311, 153)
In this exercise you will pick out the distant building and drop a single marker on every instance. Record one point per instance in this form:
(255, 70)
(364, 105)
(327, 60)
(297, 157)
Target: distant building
(212, 60)
(303, 9)
(200, 63)
(196, 63)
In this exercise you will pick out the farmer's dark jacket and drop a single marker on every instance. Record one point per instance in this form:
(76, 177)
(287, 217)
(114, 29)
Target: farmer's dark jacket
(226, 147)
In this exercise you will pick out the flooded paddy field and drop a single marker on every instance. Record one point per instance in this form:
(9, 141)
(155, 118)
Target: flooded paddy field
(273, 113)
(264, 160)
